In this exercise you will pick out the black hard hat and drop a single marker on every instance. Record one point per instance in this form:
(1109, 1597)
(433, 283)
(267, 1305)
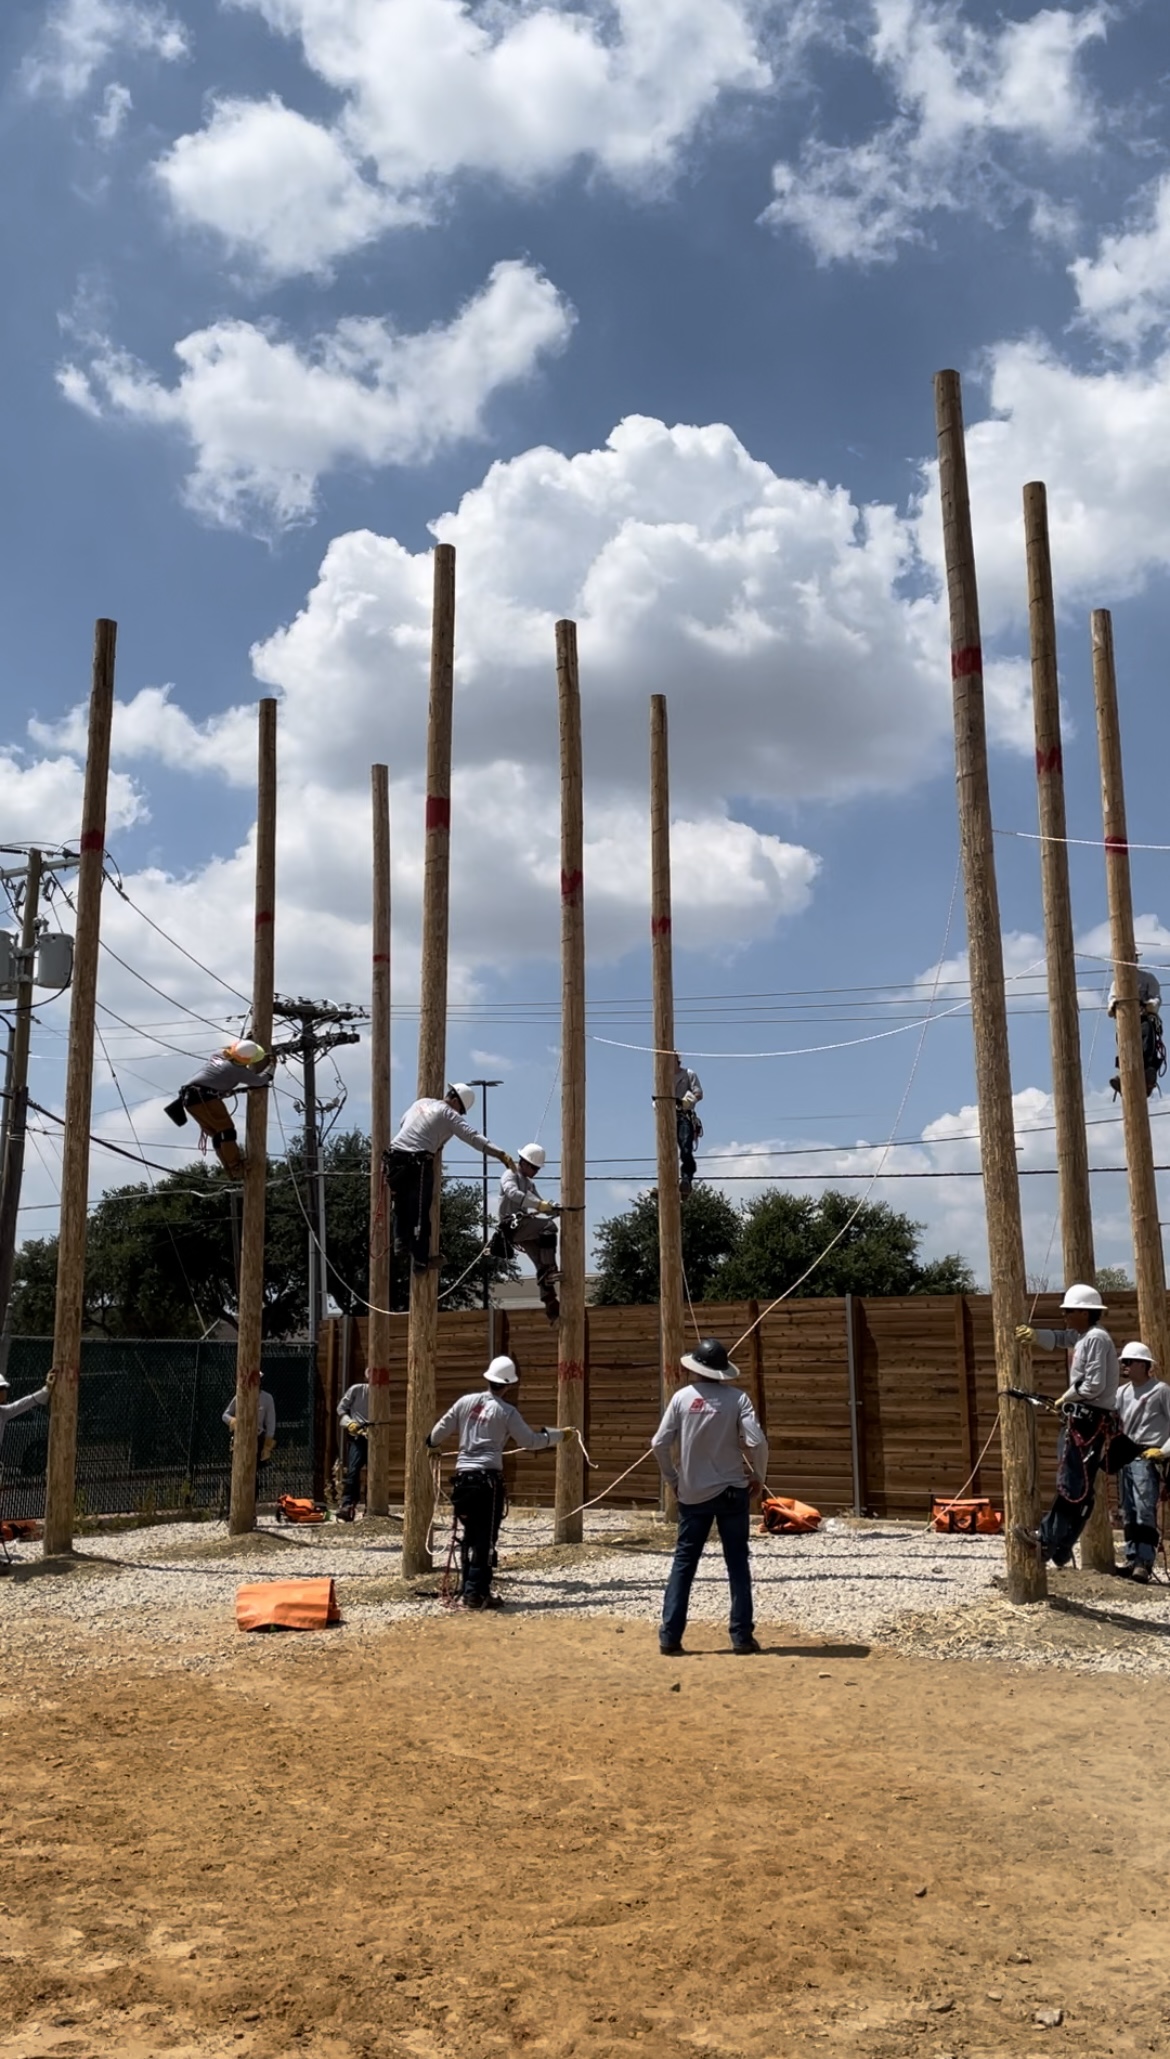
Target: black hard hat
(710, 1361)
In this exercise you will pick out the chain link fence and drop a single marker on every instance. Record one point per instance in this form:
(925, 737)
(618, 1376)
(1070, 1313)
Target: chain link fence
(150, 1434)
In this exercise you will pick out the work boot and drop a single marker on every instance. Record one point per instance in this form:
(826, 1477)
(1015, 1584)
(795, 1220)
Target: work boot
(684, 1190)
(345, 1513)
(1141, 1576)
(745, 1645)
(552, 1309)
(671, 1651)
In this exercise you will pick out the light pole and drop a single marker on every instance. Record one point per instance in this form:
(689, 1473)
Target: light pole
(489, 1311)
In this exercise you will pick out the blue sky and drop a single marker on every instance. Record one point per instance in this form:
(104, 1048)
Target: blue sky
(638, 305)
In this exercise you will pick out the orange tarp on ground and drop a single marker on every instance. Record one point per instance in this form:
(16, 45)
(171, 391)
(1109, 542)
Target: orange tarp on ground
(286, 1605)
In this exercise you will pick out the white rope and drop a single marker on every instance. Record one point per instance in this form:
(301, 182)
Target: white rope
(1091, 843)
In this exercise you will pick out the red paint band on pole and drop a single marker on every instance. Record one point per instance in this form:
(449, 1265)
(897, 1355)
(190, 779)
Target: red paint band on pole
(659, 925)
(1049, 761)
(967, 661)
(252, 1377)
(1119, 844)
(571, 884)
(93, 840)
(378, 1376)
(381, 958)
(570, 1369)
(263, 918)
(438, 815)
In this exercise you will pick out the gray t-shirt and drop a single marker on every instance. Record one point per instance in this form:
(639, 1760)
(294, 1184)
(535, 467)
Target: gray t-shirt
(355, 1403)
(1094, 1372)
(266, 1415)
(713, 1428)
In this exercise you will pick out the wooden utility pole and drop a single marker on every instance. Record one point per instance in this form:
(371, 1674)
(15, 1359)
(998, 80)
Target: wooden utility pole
(250, 1314)
(16, 1106)
(378, 1345)
(571, 1374)
(60, 1481)
(1149, 1263)
(432, 1059)
(670, 1265)
(1026, 1579)
(1068, 1093)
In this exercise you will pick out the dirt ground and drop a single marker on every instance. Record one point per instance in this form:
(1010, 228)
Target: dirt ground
(471, 1836)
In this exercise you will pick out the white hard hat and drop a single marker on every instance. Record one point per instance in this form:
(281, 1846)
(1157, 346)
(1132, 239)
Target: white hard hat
(245, 1051)
(3, 1380)
(1083, 1297)
(464, 1094)
(533, 1154)
(1139, 1351)
(502, 1372)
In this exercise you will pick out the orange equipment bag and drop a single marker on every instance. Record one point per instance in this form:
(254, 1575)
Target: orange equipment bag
(286, 1605)
(21, 1530)
(292, 1508)
(965, 1518)
(781, 1517)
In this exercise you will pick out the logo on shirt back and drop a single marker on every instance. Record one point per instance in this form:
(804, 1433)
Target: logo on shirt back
(699, 1407)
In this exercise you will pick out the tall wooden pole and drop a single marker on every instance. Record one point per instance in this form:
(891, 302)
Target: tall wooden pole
(670, 1266)
(571, 1371)
(1026, 1579)
(378, 1344)
(60, 1482)
(249, 1341)
(1068, 1092)
(1149, 1263)
(16, 1107)
(432, 1058)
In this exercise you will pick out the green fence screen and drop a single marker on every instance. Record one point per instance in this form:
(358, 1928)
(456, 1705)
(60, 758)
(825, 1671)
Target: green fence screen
(149, 1428)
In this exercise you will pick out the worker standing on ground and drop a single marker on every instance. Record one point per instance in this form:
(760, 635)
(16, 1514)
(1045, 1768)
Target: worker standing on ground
(242, 1067)
(1087, 1403)
(353, 1413)
(687, 1094)
(1153, 1047)
(711, 1450)
(409, 1164)
(9, 1410)
(265, 1427)
(484, 1423)
(527, 1221)
(1143, 1406)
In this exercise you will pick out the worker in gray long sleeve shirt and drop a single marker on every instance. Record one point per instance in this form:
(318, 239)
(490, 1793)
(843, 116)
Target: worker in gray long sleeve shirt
(1143, 1406)
(265, 1427)
(409, 1164)
(353, 1413)
(719, 1443)
(1149, 996)
(9, 1410)
(688, 1093)
(242, 1067)
(484, 1423)
(527, 1221)
(1088, 1401)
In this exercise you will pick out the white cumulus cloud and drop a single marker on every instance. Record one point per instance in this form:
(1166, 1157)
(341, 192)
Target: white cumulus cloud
(80, 37)
(267, 418)
(1124, 291)
(434, 89)
(975, 109)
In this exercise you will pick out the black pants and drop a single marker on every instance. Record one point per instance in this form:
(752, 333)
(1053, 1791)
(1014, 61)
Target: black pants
(479, 1502)
(536, 1236)
(356, 1458)
(410, 1176)
(1078, 1462)
(686, 1133)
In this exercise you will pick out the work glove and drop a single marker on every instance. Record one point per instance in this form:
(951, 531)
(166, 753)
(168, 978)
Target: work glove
(355, 1428)
(688, 1101)
(506, 1160)
(547, 1208)
(268, 1447)
(231, 1428)
(1024, 1333)
(51, 1378)
(1155, 1452)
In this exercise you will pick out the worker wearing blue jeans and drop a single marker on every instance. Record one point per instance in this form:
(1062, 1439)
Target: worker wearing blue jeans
(711, 1450)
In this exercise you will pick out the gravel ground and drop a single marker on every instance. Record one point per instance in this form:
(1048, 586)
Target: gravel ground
(863, 1582)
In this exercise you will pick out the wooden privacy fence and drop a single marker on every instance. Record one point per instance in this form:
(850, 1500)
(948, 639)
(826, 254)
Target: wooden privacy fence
(869, 1404)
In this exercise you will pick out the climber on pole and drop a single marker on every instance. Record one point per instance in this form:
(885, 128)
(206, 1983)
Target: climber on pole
(687, 1094)
(528, 1222)
(409, 1164)
(241, 1067)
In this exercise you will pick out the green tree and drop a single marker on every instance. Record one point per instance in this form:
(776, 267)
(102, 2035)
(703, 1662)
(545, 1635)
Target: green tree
(781, 1235)
(627, 1247)
(1113, 1279)
(160, 1261)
